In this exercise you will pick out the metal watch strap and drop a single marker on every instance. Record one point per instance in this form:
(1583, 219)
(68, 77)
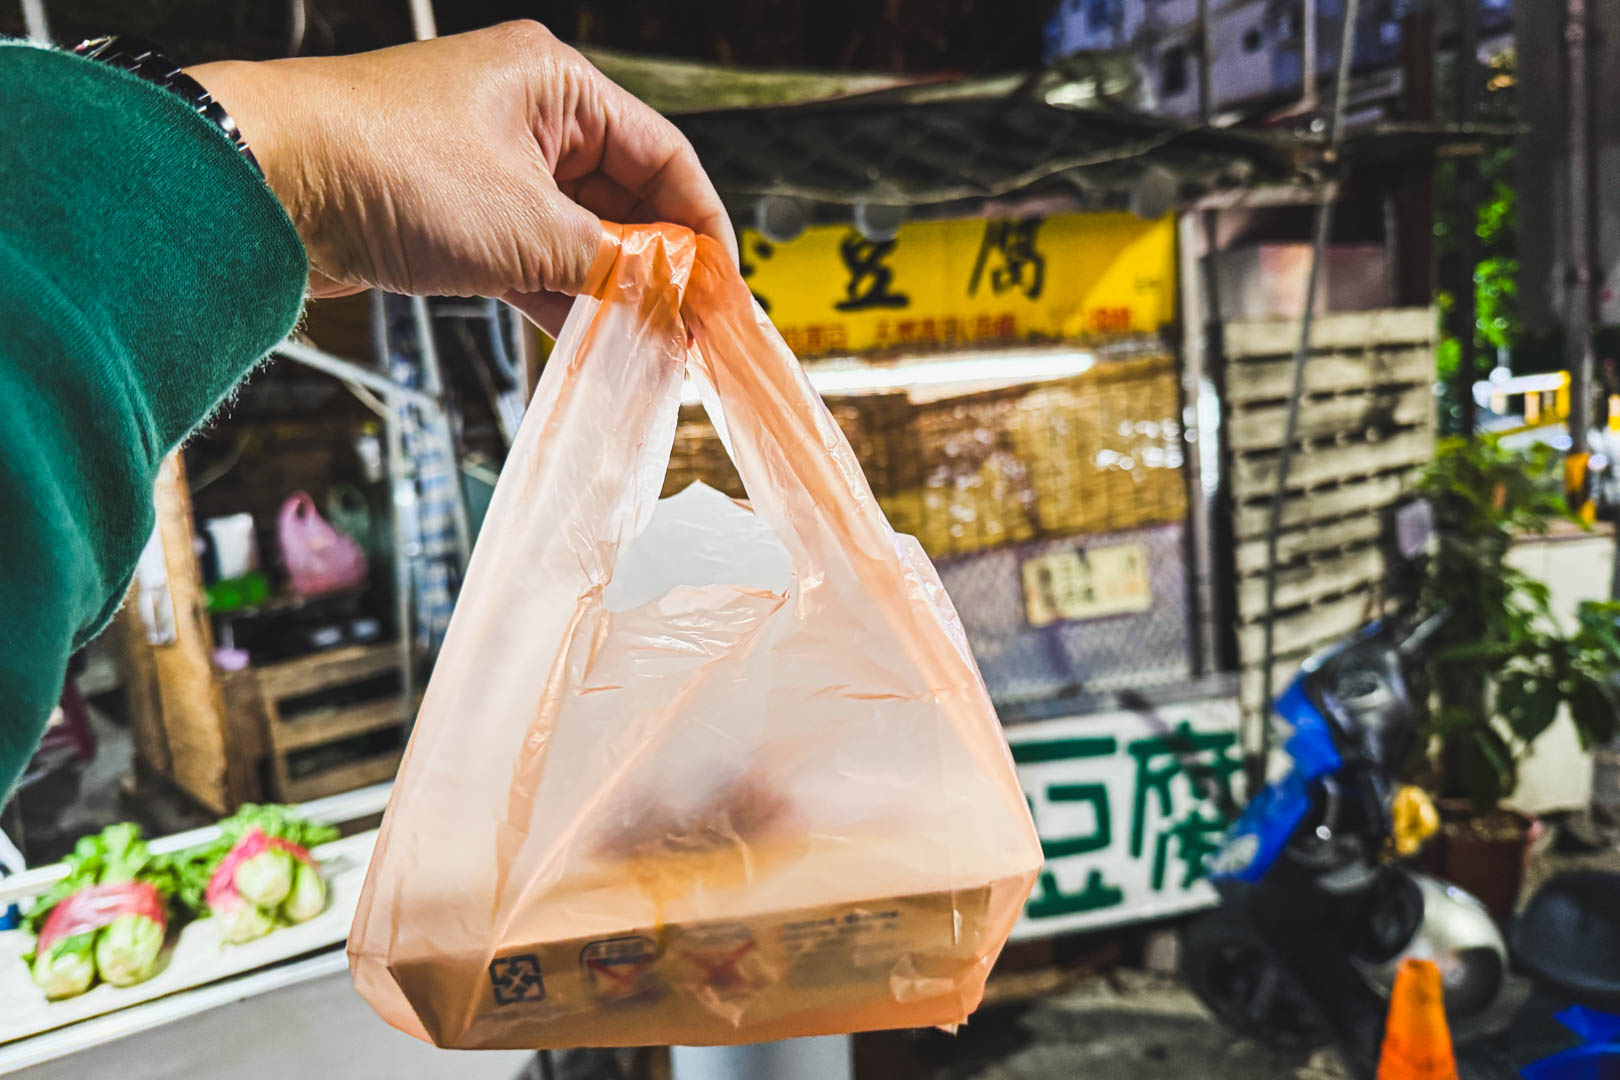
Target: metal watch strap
(142, 59)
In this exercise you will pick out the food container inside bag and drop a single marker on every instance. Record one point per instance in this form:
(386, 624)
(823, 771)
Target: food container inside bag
(691, 771)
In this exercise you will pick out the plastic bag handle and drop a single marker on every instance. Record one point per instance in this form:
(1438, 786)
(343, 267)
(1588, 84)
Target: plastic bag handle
(297, 511)
(346, 497)
(595, 444)
(801, 475)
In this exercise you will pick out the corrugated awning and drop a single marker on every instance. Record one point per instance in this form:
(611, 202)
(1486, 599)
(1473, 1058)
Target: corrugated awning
(1074, 136)
(1067, 135)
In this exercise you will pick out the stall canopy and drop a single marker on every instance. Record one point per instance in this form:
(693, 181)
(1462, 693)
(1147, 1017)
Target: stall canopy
(1073, 135)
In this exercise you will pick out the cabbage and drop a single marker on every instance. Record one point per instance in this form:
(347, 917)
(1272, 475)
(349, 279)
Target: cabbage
(262, 891)
(243, 923)
(127, 949)
(66, 968)
(267, 878)
(308, 896)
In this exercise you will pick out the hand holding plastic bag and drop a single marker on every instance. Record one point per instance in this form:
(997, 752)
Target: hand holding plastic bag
(700, 773)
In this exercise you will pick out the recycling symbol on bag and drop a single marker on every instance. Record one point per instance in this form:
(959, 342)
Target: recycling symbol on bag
(517, 978)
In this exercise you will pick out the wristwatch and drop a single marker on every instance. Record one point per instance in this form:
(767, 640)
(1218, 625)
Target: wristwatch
(142, 59)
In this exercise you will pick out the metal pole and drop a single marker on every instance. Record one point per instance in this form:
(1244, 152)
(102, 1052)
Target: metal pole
(1319, 242)
(1467, 224)
(1199, 445)
(1307, 55)
(33, 12)
(401, 495)
(1206, 66)
(1413, 283)
(1578, 325)
(439, 424)
(349, 371)
(1209, 525)
(827, 1057)
(423, 25)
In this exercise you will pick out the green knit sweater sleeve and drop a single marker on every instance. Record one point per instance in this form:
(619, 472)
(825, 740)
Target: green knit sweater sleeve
(144, 269)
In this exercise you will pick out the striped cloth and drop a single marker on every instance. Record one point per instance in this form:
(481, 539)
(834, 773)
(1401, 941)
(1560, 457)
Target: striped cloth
(427, 523)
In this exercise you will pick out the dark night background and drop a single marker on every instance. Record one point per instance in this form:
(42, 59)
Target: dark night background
(843, 35)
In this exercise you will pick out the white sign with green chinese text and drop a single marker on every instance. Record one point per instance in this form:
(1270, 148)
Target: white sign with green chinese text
(1127, 805)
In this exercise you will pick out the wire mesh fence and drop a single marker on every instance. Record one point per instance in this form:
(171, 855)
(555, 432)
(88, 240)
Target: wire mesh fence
(1131, 633)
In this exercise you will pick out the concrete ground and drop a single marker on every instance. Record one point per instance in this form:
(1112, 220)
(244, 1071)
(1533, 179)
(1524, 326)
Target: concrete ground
(1125, 1025)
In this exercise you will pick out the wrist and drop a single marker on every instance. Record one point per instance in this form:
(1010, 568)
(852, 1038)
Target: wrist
(147, 62)
(262, 116)
(294, 145)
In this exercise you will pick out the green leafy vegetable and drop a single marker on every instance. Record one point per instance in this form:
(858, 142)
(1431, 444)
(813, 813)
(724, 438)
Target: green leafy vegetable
(67, 968)
(280, 822)
(308, 896)
(84, 867)
(127, 949)
(242, 922)
(266, 887)
(266, 878)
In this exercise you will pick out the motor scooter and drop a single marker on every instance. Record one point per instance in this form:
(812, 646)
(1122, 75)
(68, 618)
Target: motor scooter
(1317, 914)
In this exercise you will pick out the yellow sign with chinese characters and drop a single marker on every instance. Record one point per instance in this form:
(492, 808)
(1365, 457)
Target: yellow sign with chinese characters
(949, 284)
(1086, 583)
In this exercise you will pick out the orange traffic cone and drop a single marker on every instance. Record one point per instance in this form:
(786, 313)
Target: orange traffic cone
(1417, 1042)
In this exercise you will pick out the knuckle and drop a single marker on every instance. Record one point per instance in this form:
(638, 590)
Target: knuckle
(523, 36)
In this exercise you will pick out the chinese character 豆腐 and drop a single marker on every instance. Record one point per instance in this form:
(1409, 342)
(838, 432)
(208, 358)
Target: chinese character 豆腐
(1021, 267)
(1205, 765)
(760, 249)
(871, 284)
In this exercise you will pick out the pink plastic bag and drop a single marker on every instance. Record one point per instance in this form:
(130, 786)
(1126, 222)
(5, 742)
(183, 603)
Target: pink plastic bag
(691, 771)
(319, 558)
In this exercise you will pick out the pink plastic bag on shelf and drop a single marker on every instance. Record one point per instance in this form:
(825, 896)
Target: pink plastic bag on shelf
(691, 771)
(319, 558)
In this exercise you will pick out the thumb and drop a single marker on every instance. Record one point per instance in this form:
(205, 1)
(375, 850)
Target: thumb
(574, 237)
(571, 236)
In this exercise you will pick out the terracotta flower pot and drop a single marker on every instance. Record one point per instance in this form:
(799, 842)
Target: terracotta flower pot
(1482, 853)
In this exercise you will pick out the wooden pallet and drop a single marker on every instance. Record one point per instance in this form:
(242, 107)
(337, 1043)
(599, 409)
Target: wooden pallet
(292, 734)
(1366, 427)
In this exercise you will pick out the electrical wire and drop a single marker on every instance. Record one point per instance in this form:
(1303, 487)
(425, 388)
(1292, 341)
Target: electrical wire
(1324, 228)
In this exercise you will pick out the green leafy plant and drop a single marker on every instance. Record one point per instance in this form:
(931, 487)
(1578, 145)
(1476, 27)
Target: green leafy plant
(1501, 668)
(1492, 212)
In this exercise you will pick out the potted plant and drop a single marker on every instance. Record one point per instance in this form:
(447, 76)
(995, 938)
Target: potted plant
(1500, 669)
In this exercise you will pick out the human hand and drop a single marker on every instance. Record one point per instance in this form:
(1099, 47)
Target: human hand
(472, 165)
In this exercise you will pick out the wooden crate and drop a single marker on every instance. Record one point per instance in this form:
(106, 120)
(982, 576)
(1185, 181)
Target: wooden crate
(290, 733)
(1366, 428)
(208, 731)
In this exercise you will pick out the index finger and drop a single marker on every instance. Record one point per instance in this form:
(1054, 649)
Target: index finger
(647, 155)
